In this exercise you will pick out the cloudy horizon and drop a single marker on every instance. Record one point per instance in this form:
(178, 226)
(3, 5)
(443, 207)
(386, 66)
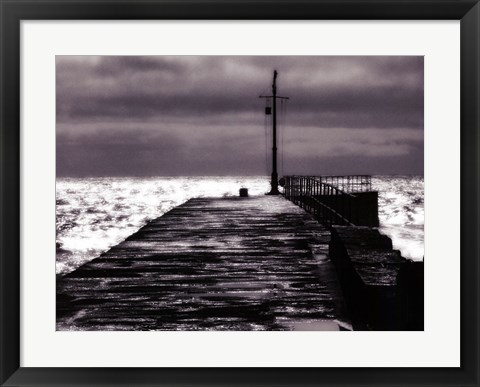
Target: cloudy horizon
(201, 115)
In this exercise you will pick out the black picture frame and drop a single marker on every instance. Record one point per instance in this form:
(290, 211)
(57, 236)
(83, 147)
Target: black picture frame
(14, 11)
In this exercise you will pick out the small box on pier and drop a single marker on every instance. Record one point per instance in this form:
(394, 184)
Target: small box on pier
(244, 192)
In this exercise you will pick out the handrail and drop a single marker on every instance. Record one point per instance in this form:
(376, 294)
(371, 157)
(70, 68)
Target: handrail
(328, 202)
(346, 183)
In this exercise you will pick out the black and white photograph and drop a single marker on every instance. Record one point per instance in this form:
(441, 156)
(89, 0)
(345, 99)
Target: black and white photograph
(239, 193)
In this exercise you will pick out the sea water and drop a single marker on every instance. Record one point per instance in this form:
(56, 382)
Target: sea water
(94, 214)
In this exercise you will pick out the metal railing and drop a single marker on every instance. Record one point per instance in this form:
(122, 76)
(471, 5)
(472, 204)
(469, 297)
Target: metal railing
(347, 183)
(331, 199)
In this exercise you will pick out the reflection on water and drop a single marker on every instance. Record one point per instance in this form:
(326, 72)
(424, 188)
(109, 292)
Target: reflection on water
(94, 214)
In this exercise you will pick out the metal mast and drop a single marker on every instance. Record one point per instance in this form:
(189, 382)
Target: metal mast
(274, 181)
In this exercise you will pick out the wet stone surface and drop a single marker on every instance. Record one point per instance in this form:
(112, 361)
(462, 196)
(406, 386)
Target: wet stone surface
(257, 263)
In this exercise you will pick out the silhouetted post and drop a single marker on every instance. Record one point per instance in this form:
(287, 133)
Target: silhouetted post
(274, 181)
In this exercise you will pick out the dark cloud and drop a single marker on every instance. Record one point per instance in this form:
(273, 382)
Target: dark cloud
(202, 115)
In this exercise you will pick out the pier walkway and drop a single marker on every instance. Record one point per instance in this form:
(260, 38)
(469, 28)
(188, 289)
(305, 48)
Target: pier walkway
(257, 263)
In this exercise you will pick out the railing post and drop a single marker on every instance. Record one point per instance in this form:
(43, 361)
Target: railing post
(301, 192)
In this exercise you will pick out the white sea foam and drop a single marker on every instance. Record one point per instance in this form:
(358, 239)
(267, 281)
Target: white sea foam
(401, 212)
(94, 214)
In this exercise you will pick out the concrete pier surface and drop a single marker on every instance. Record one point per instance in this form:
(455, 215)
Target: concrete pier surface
(255, 263)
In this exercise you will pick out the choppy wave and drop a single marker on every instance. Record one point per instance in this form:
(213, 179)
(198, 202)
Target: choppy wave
(401, 212)
(94, 214)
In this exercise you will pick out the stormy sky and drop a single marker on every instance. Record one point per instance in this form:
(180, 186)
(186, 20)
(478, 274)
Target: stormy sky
(201, 115)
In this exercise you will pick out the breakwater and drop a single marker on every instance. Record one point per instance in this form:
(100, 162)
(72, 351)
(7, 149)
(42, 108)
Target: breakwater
(255, 263)
(250, 263)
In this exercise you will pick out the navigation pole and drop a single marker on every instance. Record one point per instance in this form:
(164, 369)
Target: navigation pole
(274, 181)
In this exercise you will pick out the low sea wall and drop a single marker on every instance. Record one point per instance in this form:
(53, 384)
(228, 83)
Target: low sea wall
(383, 290)
(360, 208)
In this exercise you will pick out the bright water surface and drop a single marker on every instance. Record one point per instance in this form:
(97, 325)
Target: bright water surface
(94, 214)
